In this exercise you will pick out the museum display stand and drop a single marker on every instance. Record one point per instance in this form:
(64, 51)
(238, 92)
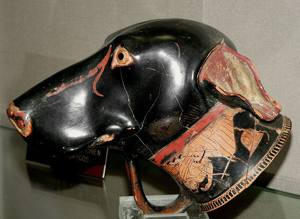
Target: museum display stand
(129, 209)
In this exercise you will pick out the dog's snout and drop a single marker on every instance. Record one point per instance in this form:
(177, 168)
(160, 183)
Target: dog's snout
(19, 119)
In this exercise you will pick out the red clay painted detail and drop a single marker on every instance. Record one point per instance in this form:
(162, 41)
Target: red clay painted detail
(192, 165)
(136, 188)
(180, 204)
(100, 66)
(19, 119)
(235, 75)
(64, 86)
(180, 143)
(248, 179)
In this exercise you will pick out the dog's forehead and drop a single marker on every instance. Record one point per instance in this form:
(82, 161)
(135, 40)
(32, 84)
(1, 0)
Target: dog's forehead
(153, 32)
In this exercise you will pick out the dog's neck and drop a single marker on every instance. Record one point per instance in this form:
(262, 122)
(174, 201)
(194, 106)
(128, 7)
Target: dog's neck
(177, 145)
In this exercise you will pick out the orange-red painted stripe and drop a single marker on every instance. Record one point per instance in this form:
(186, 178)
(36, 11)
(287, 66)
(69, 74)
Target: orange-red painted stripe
(180, 143)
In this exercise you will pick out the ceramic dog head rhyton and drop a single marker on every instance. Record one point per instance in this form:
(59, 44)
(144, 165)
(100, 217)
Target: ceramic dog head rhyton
(174, 92)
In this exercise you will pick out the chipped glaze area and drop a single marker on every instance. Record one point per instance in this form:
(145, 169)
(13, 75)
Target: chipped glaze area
(20, 120)
(102, 139)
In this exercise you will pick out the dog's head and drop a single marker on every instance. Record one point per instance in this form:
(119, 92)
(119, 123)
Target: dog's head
(154, 91)
(142, 87)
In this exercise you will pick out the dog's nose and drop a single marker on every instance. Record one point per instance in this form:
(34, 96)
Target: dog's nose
(19, 119)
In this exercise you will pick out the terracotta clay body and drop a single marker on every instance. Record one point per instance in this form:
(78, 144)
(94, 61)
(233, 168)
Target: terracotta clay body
(174, 92)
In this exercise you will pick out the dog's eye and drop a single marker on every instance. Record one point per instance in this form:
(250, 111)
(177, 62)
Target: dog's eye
(121, 58)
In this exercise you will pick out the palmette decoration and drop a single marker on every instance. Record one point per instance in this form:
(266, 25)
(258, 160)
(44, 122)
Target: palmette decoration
(174, 92)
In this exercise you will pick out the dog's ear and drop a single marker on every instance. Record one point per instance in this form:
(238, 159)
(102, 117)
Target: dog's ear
(234, 75)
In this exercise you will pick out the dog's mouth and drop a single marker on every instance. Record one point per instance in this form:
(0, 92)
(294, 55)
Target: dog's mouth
(103, 139)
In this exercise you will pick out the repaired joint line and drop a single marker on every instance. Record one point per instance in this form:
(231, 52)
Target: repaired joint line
(144, 144)
(128, 99)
